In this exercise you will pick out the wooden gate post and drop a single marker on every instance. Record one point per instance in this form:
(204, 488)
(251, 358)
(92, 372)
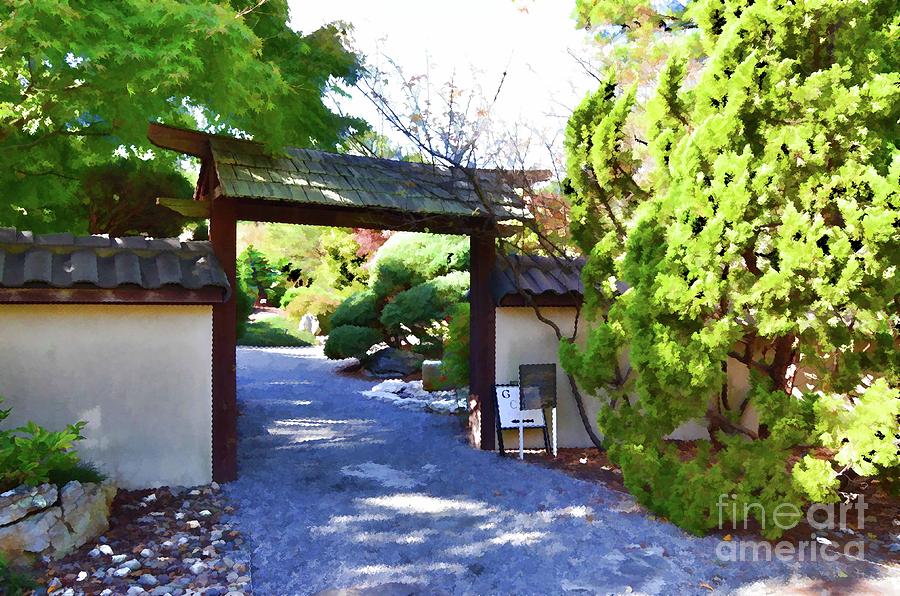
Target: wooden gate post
(482, 348)
(223, 236)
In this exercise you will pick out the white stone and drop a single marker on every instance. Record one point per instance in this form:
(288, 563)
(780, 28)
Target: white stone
(198, 568)
(309, 323)
(147, 553)
(105, 549)
(82, 575)
(389, 386)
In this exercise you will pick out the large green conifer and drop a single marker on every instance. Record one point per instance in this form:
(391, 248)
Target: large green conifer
(759, 225)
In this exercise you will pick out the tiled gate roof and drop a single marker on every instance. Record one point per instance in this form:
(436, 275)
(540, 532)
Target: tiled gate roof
(314, 177)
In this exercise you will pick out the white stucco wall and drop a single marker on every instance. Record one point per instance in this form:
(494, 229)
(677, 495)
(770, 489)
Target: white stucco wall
(523, 339)
(140, 376)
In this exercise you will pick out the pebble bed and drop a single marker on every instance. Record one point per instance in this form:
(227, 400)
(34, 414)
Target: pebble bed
(165, 541)
(410, 395)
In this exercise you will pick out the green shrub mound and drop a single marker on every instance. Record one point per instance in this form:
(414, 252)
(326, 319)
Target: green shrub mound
(417, 310)
(360, 309)
(350, 341)
(245, 299)
(455, 363)
(757, 225)
(414, 280)
(407, 260)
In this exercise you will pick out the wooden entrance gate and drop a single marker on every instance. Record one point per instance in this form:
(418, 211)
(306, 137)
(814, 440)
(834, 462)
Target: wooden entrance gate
(240, 180)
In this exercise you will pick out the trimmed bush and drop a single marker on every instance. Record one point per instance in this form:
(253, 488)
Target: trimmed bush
(425, 303)
(415, 279)
(360, 309)
(456, 347)
(407, 260)
(350, 341)
(246, 298)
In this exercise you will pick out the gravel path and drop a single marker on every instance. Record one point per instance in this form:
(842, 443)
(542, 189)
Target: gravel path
(339, 491)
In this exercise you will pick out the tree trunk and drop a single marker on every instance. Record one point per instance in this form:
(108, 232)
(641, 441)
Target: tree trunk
(582, 413)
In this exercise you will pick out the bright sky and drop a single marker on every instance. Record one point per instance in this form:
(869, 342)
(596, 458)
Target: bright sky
(529, 39)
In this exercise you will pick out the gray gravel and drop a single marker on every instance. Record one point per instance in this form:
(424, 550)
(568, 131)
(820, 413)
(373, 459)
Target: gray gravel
(339, 491)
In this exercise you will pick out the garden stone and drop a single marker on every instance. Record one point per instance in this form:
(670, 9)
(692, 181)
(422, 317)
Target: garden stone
(391, 362)
(19, 502)
(309, 323)
(23, 542)
(86, 509)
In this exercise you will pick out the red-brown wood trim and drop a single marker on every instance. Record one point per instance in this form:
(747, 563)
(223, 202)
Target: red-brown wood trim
(549, 300)
(223, 236)
(128, 295)
(355, 217)
(482, 348)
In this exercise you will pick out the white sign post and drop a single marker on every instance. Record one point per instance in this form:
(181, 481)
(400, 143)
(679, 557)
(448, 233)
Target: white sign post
(512, 417)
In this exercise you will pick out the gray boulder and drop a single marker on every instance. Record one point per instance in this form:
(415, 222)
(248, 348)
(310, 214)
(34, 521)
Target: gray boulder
(19, 502)
(54, 522)
(392, 363)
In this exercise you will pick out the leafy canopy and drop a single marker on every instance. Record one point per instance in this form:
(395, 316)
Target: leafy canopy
(757, 224)
(79, 81)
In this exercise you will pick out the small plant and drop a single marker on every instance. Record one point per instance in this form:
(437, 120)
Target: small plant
(81, 472)
(245, 300)
(12, 582)
(29, 454)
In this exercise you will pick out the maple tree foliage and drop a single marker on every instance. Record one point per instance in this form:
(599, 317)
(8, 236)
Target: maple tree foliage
(757, 224)
(80, 81)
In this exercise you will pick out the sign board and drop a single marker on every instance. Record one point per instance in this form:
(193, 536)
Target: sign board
(538, 382)
(510, 414)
